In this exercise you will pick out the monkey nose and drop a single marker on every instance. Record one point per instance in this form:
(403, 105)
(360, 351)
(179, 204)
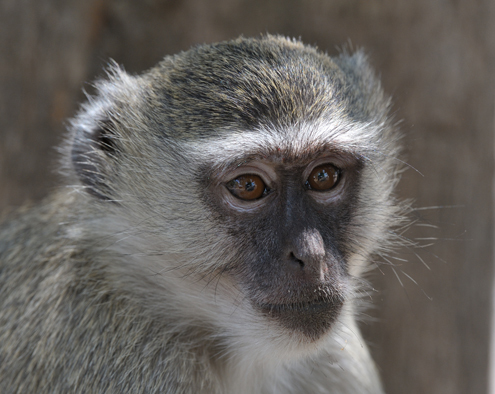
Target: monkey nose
(307, 256)
(311, 268)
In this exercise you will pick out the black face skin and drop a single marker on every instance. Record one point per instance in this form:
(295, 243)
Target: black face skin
(292, 265)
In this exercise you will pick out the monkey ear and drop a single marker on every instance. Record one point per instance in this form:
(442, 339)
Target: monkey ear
(356, 65)
(93, 149)
(96, 132)
(368, 96)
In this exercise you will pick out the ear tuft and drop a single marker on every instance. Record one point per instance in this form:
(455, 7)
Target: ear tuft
(92, 149)
(364, 87)
(97, 129)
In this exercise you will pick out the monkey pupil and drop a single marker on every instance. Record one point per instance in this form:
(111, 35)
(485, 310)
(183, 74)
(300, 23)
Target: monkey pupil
(323, 176)
(250, 186)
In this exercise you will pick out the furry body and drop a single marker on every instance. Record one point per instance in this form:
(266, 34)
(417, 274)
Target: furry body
(146, 275)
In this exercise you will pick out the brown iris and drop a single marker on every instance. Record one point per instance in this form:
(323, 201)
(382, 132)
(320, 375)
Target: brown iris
(247, 187)
(323, 178)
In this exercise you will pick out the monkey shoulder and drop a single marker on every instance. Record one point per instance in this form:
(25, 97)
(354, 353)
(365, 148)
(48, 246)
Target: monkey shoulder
(64, 326)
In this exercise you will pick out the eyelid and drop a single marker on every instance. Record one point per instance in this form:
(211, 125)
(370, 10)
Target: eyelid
(264, 171)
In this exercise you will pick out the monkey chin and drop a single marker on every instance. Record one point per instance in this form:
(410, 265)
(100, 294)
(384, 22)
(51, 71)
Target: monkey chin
(311, 319)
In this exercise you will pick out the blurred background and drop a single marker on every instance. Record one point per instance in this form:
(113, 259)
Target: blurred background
(430, 325)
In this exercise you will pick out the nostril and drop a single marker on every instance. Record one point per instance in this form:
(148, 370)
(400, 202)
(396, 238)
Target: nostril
(295, 260)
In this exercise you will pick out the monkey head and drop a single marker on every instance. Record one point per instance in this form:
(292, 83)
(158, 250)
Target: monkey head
(250, 181)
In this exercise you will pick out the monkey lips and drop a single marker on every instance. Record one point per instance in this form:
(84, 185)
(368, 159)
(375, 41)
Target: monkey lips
(308, 311)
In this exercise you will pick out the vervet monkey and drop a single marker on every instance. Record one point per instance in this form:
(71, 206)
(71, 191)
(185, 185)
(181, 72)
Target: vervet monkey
(219, 213)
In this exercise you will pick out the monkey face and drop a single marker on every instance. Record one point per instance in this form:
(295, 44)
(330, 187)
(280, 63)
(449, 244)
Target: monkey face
(292, 211)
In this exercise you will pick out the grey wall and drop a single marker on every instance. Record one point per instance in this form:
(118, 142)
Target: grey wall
(435, 57)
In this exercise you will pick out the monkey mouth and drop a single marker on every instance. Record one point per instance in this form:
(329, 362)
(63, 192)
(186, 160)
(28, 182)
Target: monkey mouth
(312, 318)
(315, 306)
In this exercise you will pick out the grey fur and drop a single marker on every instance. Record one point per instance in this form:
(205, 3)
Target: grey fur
(145, 275)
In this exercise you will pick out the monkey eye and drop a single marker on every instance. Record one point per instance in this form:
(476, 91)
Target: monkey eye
(323, 178)
(247, 187)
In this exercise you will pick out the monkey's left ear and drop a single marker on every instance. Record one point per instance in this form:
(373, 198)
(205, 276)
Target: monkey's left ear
(368, 96)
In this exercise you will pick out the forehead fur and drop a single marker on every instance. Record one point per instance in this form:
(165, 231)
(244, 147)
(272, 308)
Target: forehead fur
(250, 84)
